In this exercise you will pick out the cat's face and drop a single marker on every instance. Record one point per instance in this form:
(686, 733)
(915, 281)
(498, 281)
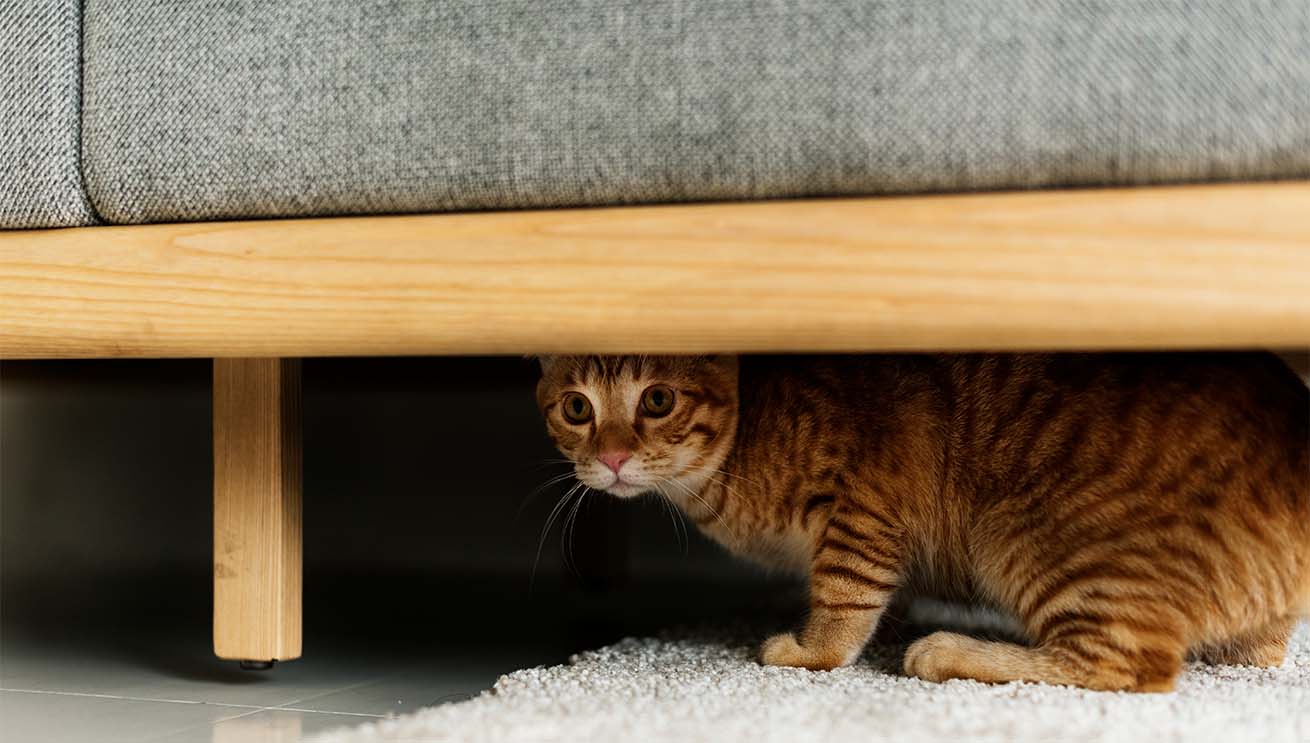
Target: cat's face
(635, 424)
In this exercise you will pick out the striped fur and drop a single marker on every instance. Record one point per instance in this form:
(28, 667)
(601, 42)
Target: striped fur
(1128, 509)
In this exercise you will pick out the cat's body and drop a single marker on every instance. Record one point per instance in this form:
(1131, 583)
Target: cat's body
(1127, 509)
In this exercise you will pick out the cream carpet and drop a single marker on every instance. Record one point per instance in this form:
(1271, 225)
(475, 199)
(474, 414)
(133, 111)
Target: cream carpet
(691, 688)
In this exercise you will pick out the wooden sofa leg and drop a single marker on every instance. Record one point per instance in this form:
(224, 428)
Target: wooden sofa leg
(257, 510)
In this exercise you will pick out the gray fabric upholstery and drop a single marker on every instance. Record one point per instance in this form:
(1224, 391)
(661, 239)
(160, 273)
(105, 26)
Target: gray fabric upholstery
(40, 180)
(206, 109)
(203, 109)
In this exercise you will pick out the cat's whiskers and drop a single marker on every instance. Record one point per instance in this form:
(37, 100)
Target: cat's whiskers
(702, 501)
(541, 489)
(545, 530)
(675, 515)
(726, 473)
(567, 532)
(727, 489)
(543, 463)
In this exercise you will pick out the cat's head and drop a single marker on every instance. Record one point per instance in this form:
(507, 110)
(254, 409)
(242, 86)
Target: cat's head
(635, 424)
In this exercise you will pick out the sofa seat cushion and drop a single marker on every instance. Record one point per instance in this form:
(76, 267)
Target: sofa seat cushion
(217, 109)
(40, 84)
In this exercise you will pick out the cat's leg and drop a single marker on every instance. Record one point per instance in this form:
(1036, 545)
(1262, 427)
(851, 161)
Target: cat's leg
(1080, 651)
(1108, 620)
(1265, 647)
(855, 570)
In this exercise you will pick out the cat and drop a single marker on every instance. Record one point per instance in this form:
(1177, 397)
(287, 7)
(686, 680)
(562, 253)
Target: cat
(1129, 510)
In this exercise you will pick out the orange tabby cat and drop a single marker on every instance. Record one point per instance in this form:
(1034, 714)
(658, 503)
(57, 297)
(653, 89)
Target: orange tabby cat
(1129, 510)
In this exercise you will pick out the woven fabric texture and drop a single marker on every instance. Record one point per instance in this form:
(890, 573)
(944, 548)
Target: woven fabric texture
(210, 109)
(40, 87)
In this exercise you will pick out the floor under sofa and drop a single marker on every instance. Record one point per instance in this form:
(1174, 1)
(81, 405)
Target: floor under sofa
(425, 585)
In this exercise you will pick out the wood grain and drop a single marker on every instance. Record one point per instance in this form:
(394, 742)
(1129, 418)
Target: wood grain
(1196, 266)
(257, 509)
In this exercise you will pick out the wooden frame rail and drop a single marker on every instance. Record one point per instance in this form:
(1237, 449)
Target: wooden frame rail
(1193, 266)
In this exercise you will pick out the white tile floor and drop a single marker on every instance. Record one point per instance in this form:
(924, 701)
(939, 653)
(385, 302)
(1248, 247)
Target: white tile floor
(119, 662)
(129, 658)
(52, 692)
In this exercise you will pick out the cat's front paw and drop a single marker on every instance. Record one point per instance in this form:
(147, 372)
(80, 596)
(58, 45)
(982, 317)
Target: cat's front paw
(785, 650)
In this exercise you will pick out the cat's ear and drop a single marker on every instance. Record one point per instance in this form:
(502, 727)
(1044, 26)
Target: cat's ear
(547, 362)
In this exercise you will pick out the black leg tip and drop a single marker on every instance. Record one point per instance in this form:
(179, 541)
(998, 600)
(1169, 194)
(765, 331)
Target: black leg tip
(256, 665)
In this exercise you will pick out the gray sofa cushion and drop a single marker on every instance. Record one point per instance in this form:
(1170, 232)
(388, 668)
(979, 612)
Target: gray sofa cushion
(209, 109)
(40, 180)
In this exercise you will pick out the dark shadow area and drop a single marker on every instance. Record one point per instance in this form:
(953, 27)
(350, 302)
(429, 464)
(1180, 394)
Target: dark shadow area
(423, 522)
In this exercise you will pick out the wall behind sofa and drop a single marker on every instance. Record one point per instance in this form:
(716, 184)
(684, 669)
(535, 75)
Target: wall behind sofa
(411, 465)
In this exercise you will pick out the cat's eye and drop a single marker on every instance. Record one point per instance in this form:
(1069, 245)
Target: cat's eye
(657, 401)
(577, 408)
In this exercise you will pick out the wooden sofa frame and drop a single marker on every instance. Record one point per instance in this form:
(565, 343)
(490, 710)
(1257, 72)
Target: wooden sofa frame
(1216, 266)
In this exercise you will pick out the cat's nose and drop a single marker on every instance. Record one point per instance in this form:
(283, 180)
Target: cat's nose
(615, 459)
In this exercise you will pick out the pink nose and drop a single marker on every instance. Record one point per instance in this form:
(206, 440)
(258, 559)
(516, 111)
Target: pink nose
(615, 459)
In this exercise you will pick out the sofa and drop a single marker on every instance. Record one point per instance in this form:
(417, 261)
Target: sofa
(258, 182)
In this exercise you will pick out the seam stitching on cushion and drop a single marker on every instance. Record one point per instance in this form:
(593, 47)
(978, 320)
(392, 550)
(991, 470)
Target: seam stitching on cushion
(80, 151)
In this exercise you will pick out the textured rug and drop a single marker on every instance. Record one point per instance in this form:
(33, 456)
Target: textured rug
(693, 687)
